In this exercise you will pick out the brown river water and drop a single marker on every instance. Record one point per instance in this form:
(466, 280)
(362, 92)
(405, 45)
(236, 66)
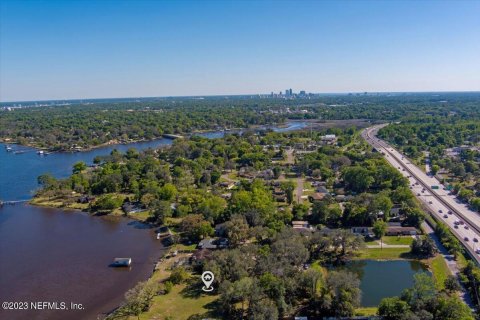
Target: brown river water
(50, 255)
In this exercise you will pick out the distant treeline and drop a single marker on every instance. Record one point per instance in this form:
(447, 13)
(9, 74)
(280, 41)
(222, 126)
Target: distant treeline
(93, 124)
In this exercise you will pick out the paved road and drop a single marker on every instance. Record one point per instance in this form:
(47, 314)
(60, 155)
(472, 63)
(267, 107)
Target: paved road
(384, 245)
(441, 204)
(299, 189)
(290, 157)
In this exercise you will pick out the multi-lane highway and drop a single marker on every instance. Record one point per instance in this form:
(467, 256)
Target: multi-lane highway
(464, 223)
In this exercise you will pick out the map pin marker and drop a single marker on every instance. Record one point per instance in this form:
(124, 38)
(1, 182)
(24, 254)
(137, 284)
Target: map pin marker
(207, 278)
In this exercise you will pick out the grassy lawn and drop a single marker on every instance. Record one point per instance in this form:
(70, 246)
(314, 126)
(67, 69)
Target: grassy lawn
(440, 270)
(184, 300)
(184, 247)
(394, 240)
(57, 202)
(142, 216)
(385, 253)
(366, 311)
(461, 261)
(179, 304)
(232, 175)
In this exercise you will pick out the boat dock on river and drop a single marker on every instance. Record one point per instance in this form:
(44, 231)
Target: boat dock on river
(12, 203)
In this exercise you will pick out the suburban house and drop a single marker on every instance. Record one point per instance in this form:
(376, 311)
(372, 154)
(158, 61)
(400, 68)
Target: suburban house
(322, 189)
(301, 225)
(227, 185)
(266, 174)
(279, 195)
(364, 231)
(395, 212)
(212, 244)
(329, 139)
(401, 231)
(133, 207)
(316, 197)
(226, 196)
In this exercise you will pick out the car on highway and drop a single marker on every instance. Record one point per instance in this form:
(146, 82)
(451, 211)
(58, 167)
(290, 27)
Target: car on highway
(455, 226)
(440, 211)
(445, 216)
(461, 222)
(450, 212)
(475, 240)
(430, 202)
(466, 227)
(466, 238)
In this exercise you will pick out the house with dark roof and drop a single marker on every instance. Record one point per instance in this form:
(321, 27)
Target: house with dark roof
(401, 231)
(322, 189)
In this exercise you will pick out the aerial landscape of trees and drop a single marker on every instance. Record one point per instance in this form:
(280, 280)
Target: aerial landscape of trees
(275, 210)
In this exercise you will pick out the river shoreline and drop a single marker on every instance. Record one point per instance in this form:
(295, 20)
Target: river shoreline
(9, 141)
(21, 225)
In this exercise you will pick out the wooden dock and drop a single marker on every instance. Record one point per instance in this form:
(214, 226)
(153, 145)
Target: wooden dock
(12, 203)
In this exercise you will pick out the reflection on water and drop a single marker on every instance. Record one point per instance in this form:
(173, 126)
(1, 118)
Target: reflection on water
(380, 279)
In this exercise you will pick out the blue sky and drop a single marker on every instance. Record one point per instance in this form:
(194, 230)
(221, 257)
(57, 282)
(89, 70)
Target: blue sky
(91, 49)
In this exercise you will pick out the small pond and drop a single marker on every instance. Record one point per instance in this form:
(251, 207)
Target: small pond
(381, 279)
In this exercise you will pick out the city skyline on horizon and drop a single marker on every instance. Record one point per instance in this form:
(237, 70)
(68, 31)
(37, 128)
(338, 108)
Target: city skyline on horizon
(277, 94)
